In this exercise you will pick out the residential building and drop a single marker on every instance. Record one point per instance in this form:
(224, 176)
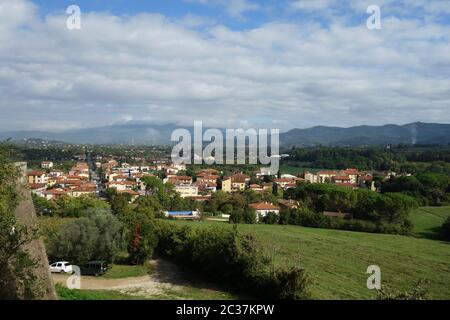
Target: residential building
(183, 180)
(47, 165)
(37, 177)
(326, 176)
(54, 194)
(134, 194)
(186, 191)
(263, 208)
(83, 191)
(311, 177)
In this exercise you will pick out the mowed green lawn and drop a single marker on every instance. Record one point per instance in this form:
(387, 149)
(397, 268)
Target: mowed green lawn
(428, 220)
(338, 260)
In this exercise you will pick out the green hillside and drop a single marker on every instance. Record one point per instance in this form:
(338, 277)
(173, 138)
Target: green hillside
(338, 260)
(428, 220)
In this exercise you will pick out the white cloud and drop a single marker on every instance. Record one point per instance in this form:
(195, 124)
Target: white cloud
(149, 67)
(309, 5)
(235, 8)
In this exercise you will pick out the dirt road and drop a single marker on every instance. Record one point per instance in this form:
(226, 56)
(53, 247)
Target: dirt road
(167, 277)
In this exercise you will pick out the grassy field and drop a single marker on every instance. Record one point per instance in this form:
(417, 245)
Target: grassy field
(68, 294)
(338, 260)
(428, 220)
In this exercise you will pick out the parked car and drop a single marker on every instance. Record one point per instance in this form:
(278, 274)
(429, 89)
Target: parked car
(61, 267)
(94, 268)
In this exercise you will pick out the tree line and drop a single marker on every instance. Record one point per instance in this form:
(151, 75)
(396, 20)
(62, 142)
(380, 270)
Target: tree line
(397, 158)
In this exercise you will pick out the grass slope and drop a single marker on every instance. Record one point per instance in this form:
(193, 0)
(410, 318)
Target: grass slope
(338, 260)
(428, 220)
(68, 294)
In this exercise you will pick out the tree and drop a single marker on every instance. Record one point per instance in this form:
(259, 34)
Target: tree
(142, 238)
(44, 207)
(99, 236)
(119, 202)
(79, 207)
(153, 184)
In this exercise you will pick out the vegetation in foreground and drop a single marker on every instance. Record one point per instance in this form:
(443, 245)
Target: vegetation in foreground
(69, 294)
(337, 260)
(17, 279)
(234, 258)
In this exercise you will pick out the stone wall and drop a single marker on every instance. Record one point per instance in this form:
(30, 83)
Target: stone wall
(26, 214)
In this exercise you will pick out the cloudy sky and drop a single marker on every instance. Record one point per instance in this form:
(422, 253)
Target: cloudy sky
(230, 63)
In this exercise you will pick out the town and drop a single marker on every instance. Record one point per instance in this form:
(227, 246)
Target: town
(224, 150)
(95, 176)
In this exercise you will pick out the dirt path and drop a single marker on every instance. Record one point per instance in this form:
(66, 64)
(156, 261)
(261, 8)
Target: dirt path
(167, 277)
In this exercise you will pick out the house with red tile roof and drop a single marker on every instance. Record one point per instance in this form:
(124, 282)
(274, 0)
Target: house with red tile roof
(37, 177)
(263, 208)
(55, 194)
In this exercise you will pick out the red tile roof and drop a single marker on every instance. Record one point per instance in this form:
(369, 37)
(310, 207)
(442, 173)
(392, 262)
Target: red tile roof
(36, 173)
(263, 206)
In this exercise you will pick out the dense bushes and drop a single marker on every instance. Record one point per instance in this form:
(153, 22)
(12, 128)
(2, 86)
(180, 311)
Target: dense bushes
(69, 207)
(389, 208)
(319, 220)
(247, 216)
(99, 236)
(428, 188)
(224, 254)
(271, 218)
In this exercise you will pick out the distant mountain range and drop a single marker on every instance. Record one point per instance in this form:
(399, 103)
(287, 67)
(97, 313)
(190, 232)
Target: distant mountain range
(152, 134)
(413, 133)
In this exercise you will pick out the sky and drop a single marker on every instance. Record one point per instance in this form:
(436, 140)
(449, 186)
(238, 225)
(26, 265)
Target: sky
(229, 63)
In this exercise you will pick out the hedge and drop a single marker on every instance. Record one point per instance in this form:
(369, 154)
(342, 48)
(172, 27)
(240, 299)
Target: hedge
(223, 254)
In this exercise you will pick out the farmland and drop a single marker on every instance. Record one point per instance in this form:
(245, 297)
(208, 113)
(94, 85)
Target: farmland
(338, 260)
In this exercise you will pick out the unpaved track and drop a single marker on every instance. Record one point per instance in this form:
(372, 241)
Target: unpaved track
(167, 276)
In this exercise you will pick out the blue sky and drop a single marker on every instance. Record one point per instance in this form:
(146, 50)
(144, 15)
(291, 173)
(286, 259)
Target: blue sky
(171, 8)
(230, 63)
(269, 10)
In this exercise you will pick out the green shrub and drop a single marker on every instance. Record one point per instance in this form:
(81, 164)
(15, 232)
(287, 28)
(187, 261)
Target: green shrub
(271, 218)
(292, 284)
(227, 256)
(319, 220)
(247, 216)
(96, 237)
(420, 291)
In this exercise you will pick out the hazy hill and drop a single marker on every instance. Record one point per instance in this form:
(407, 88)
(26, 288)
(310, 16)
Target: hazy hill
(413, 133)
(151, 134)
